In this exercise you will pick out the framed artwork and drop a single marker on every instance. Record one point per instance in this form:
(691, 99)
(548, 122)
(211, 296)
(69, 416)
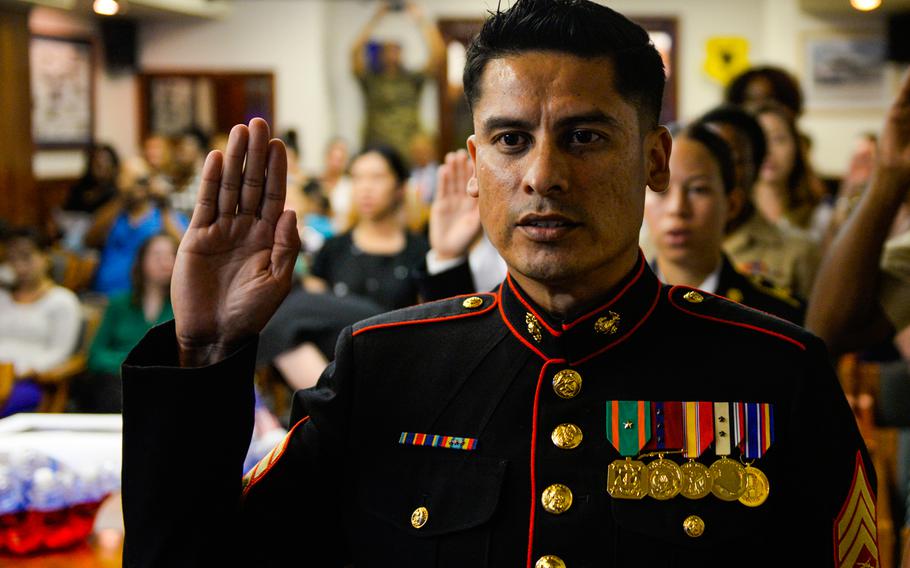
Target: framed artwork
(170, 102)
(62, 90)
(664, 34)
(845, 71)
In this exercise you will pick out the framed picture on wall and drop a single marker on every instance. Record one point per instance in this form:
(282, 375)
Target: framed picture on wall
(845, 70)
(62, 90)
(664, 35)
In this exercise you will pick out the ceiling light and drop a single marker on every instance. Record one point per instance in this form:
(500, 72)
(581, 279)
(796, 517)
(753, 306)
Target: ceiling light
(106, 7)
(866, 5)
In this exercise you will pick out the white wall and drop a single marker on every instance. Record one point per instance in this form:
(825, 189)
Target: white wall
(306, 44)
(286, 37)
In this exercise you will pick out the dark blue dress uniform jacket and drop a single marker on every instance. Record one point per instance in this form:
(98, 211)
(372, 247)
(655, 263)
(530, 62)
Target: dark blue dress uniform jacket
(341, 490)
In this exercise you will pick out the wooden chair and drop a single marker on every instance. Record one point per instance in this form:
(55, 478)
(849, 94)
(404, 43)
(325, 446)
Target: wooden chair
(55, 382)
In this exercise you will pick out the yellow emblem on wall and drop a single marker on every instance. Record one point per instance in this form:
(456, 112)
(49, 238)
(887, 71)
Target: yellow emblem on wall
(726, 57)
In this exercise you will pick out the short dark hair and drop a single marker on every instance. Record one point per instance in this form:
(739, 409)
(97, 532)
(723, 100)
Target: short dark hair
(576, 27)
(393, 159)
(784, 85)
(716, 146)
(744, 122)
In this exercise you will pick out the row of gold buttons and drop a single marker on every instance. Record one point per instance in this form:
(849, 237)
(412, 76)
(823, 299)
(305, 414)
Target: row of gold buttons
(557, 498)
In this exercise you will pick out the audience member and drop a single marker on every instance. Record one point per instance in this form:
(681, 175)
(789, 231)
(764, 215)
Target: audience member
(127, 316)
(423, 166)
(189, 153)
(336, 183)
(120, 227)
(157, 151)
(392, 92)
(377, 257)
(755, 245)
(687, 222)
(96, 187)
(296, 175)
(784, 193)
(40, 321)
(861, 298)
(758, 86)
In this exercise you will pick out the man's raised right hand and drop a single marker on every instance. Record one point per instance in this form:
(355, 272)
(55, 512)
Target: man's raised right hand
(236, 261)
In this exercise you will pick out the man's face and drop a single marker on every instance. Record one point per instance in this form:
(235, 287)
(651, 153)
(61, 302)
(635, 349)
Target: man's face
(561, 169)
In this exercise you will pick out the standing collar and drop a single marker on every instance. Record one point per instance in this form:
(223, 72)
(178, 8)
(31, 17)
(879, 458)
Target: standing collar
(582, 337)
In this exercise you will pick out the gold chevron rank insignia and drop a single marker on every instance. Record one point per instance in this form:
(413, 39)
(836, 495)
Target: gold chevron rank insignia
(263, 466)
(855, 532)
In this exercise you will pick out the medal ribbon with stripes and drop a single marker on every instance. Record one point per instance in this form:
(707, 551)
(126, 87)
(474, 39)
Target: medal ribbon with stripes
(698, 428)
(759, 429)
(628, 425)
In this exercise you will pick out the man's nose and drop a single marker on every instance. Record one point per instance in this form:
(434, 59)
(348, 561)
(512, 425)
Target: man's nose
(548, 170)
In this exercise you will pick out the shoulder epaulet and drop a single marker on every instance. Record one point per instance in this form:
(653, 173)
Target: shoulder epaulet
(767, 287)
(709, 307)
(457, 307)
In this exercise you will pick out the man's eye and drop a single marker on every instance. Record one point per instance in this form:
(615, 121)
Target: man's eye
(584, 137)
(511, 139)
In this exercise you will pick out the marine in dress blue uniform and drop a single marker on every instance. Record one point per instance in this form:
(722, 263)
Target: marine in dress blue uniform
(513, 428)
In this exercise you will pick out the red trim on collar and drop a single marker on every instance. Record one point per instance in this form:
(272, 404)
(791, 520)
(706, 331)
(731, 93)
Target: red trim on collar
(514, 331)
(431, 320)
(592, 313)
(525, 303)
(625, 336)
(728, 322)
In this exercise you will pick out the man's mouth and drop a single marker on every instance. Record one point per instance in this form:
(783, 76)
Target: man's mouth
(545, 228)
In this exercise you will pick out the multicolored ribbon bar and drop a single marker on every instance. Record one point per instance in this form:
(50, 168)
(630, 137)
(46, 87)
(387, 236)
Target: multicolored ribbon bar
(628, 425)
(759, 429)
(666, 426)
(437, 441)
(738, 417)
(698, 428)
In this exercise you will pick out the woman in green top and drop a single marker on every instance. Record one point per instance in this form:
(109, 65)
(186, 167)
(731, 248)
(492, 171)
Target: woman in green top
(126, 319)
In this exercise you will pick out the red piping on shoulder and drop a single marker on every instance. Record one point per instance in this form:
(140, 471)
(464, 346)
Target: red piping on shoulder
(728, 322)
(431, 320)
(273, 459)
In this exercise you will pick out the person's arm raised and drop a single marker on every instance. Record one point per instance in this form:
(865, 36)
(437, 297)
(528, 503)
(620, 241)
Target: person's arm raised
(843, 307)
(236, 260)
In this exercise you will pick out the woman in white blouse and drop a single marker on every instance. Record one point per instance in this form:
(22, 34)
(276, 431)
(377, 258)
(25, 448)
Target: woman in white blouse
(40, 322)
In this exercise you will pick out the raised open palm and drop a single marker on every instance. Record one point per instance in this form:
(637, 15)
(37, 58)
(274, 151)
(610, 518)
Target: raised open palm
(894, 146)
(454, 215)
(236, 260)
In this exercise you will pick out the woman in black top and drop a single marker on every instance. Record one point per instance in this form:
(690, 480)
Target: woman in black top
(377, 257)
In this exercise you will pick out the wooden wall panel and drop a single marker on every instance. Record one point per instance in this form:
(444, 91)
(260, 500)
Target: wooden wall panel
(18, 203)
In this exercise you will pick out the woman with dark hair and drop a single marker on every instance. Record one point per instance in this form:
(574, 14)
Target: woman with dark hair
(760, 85)
(40, 321)
(127, 317)
(687, 225)
(376, 258)
(96, 187)
(784, 192)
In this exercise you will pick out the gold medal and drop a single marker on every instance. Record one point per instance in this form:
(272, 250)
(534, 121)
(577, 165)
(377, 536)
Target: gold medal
(696, 480)
(756, 487)
(664, 479)
(627, 479)
(728, 478)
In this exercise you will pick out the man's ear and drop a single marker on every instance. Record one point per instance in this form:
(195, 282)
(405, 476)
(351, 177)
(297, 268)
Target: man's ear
(473, 190)
(657, 146)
